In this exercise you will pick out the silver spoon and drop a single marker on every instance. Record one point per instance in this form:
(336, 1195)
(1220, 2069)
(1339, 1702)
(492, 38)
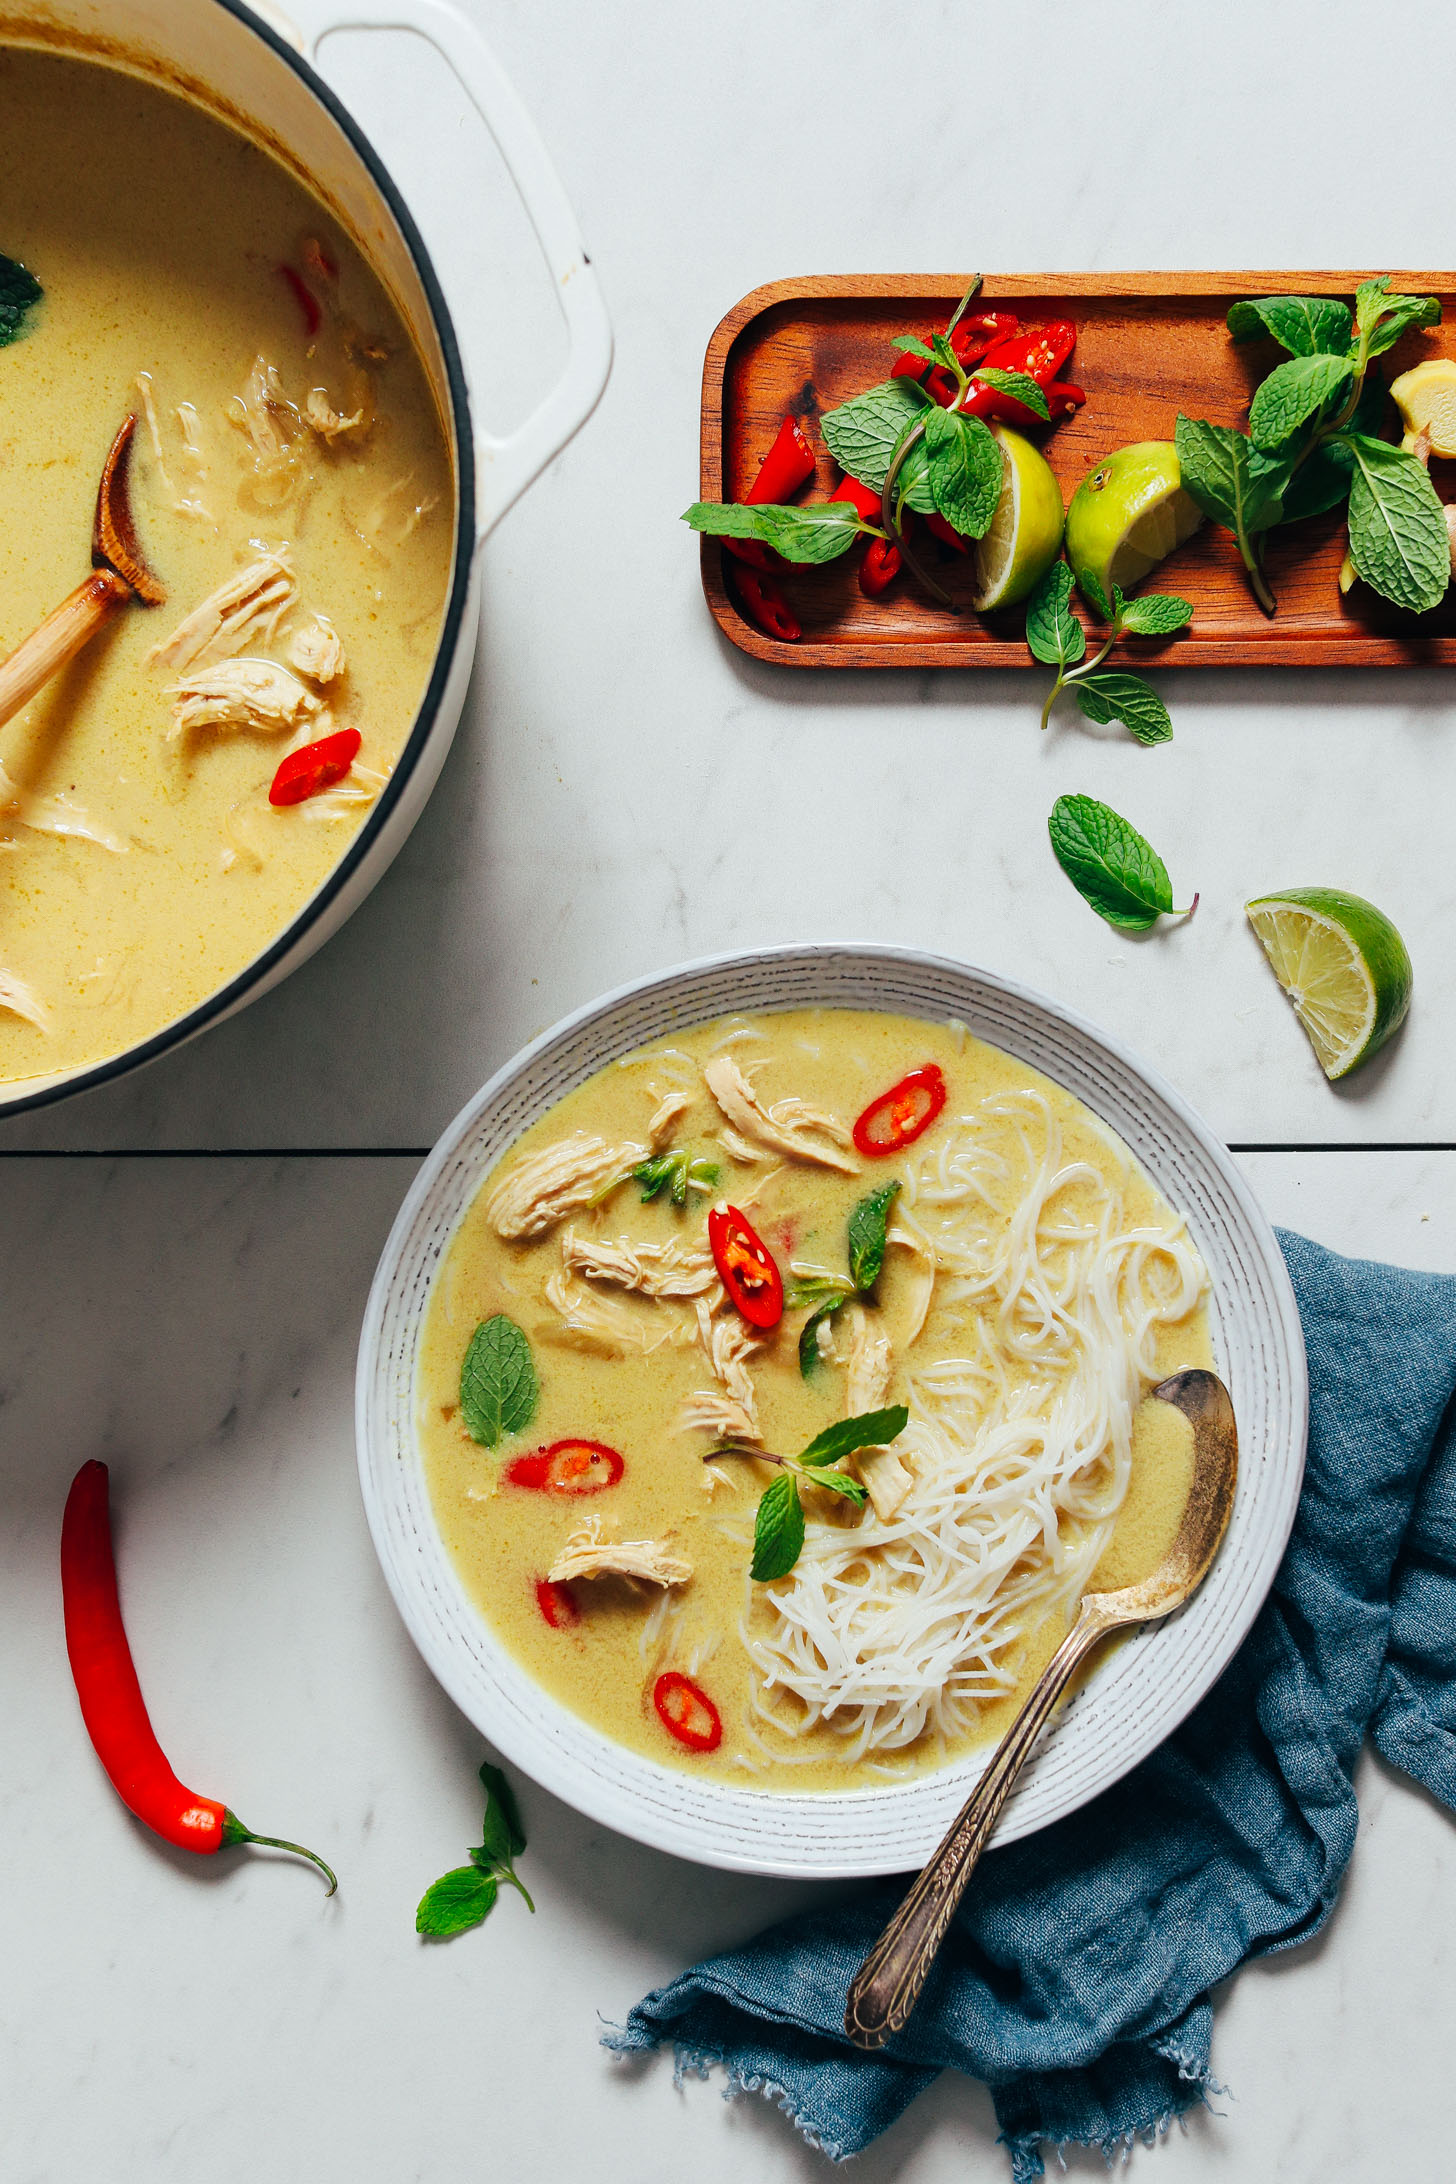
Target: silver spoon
(887, 1985)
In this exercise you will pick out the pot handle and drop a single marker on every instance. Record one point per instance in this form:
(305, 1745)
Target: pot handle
(506, 465)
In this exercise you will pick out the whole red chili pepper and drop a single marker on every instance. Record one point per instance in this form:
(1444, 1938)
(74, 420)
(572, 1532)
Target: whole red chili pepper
(687, 1713)
(879, 566)
(1040, 354)
(901, 1115)
(746, 1267)
(765, 604)
(112, 1705)
(568, 1467)
(316, 766)
(788, 464)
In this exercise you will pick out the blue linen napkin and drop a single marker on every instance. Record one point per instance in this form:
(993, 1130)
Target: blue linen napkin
(1076, 1979)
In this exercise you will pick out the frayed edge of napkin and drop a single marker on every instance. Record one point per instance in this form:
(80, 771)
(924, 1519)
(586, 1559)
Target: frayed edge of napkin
(1025, 2149)
(698, 2062)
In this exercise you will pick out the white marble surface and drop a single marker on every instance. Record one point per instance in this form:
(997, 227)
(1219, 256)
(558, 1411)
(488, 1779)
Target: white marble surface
(628, 790)
(193, 1321)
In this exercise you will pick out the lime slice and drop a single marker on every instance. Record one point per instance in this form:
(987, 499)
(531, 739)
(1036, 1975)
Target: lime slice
(1126, 516)
(1426, 399)
(1026, 531)
(1343, 965)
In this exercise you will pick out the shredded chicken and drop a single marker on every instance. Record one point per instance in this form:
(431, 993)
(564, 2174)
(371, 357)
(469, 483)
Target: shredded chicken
(58, 814)
(666, 1116)
(537, 1191)
(730, 1409)
(320, 414)
(587, 1554)
(608, 1326)
(183, 504)
(782, 1127)
(271, 425)
(909, 1236)
(361, 785)
(22, 1000)
(227, 618)
(674, 1269)
(317, 650)
(866, 1385)
(241, 694)
(738, 1148)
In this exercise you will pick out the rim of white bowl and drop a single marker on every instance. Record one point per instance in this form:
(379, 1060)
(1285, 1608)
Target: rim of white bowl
(1135, 1698)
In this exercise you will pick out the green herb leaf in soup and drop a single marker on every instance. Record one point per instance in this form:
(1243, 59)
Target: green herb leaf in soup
(498, 1385)
(867, 1226)
(1109, 863)
(1304, 325)
(778, 1531)
(1398, 538)
(837, 1482)
(20, 291)
(872, 1429)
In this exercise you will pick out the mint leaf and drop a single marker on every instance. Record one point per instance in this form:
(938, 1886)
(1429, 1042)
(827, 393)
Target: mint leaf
(19, 292)
(1370, 301)
(816, 1290)
(1398, 539)
(498, 1385)
(1109, 863)
(1154, 614)
(1052, 630)
(1321, 482)
(778, 1531)
(867, 1226)
(501, 1812)
(913, 346)
(1383, 318)
(945, 355)
(1111, 695)
(1232, 480)
(966, 466)
(1019, 385)
(809, 1355)
(1293, 393)
(863, 435)
(837, 1482)
(871, 1430)
(818, 533)
(1305, 325)
(455, 1903)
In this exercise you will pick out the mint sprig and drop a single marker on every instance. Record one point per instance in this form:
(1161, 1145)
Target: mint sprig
(778, 1531)
(1113, 867)
(465, 1896)
(820, 532)
(499, 1390)
(868, 1228)
(1056, 637)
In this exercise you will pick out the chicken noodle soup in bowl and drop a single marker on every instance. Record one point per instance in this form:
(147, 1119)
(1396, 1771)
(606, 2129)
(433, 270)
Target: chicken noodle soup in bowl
(194, 235)
(759, 1375)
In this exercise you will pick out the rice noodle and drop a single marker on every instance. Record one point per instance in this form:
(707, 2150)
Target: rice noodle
(1020, 1447)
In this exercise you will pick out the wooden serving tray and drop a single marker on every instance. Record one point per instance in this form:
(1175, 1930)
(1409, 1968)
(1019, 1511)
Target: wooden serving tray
(1148, 345)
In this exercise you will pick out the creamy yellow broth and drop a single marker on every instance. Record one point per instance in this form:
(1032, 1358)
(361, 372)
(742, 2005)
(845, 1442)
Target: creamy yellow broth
(503, 1538)
(156, 233)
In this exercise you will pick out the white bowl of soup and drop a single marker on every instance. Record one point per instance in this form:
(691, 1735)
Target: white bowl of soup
(195, 233)
(758, 1373)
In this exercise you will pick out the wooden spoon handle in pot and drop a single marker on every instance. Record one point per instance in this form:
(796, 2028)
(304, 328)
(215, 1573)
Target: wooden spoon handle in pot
(887, 1985)
(64, 632)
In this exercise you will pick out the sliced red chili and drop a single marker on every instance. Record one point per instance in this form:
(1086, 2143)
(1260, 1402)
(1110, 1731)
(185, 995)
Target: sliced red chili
(746, 1267)
(937, 526)
(568, 1467)
(306, 299)
(975, 337)
(901, 1115)
(1040, 354)
(863, 499)
(1063, 398)
(879, 566)
(317, 766)
(687, 1713)
(557, 1603)
(788, 464)
(765, 604)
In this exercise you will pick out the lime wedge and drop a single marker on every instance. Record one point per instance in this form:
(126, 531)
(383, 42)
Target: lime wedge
(1126, 516)
(1343, 965)
(1026, 531)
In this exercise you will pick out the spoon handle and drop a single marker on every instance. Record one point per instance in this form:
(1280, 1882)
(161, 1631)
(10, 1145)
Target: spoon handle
(65, 630)
(887, 1985)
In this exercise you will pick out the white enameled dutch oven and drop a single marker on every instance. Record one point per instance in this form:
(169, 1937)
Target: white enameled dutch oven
(258, 68)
